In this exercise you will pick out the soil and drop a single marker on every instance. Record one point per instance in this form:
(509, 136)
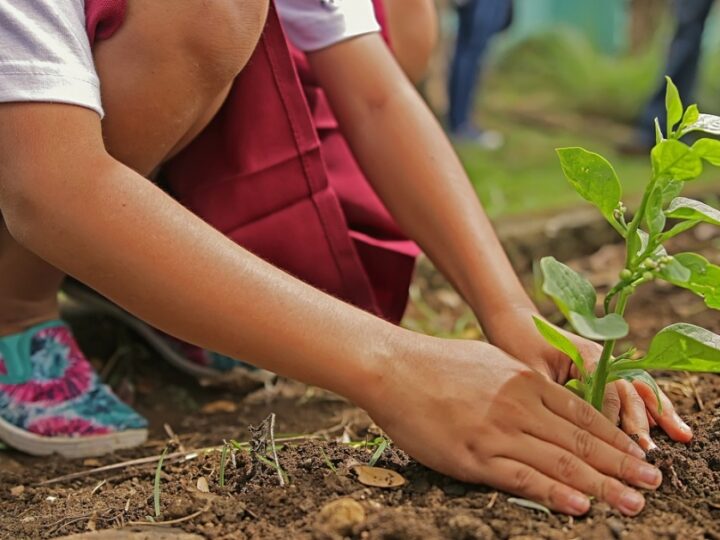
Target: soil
(323, 498)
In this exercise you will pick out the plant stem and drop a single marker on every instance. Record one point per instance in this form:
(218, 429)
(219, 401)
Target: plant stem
(635, 224)
(601, 372)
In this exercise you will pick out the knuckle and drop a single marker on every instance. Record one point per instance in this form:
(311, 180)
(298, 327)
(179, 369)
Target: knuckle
(567, 466)
(522, 479)
(609, 489)
(555, 494)
(612, 400)
(624, 466)
(584, 414)
(585, 445)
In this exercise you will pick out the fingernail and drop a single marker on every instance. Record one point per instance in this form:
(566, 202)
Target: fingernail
(649, 476)
(683, 426)
(631, 502)
(578, 503)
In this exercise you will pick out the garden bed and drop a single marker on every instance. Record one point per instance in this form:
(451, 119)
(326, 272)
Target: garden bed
(252, 504)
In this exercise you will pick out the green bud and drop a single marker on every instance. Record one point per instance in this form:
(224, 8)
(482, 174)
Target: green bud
(625, 274)
(648, 276)
(649, 263)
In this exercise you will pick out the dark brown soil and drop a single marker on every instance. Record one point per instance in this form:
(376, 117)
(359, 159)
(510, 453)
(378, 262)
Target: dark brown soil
(253, 505)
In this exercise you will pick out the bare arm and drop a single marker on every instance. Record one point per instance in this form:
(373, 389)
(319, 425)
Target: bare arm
(414, 169)
(66, 199)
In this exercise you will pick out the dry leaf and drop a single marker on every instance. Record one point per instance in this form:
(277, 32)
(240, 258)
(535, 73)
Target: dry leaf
(17, 491)
(91, 462)
(202, 485)
(220, 406)
(378, 477)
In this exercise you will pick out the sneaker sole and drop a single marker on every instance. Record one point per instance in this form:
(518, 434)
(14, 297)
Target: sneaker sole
(80, 300)
(69, 447)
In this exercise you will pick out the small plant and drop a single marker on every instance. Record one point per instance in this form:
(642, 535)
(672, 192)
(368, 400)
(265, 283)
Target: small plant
(680, 346)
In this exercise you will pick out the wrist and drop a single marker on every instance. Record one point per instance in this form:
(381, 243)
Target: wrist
(501, 324)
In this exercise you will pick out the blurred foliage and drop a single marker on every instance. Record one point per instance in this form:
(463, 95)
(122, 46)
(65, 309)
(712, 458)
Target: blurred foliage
(554, 89)
(564, 64)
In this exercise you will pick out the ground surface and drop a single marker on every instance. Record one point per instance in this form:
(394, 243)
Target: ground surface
(251, 504)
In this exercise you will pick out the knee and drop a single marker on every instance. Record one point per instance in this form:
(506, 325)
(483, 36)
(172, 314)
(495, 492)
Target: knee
(221, 36)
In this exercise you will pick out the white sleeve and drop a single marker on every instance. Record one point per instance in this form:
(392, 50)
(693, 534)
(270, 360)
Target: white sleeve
(316, 24)
(45, 54)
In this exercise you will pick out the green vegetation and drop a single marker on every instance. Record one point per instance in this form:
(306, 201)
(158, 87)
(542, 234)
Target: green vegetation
(681, 346)
(554, 90)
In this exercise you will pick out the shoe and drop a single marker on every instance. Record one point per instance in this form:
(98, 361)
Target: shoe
(193, 360)
(52, 401)
(484, 138)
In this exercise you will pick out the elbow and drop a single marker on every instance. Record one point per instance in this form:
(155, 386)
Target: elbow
(20, 204)
(35, 196)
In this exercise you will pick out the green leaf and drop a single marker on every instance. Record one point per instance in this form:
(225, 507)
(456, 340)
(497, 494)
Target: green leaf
(690, 117)
(558, 340)
(676, 160)
(637, 375)
(709, 150)
(670, 190)
(569, 290)
(654, 216)
(704, 278)
(692, 210)
(707, 123)
(611, 326)
(576, 387)
(593, 178)
(576, 298)
(658, 132)
(673, 105)
(675, 272)
(679, 347)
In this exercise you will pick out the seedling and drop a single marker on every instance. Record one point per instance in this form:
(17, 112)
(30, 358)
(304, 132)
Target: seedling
(680, 346)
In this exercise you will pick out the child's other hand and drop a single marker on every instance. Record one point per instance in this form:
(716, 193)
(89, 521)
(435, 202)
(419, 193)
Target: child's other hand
(469, 410)
(631, 405)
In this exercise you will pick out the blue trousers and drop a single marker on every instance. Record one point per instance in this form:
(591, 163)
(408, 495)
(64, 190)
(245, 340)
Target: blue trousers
(479, 21)
(682, 63)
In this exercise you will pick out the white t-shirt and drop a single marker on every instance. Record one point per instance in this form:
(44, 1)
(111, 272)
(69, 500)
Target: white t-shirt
(316, 24)
(45, 53)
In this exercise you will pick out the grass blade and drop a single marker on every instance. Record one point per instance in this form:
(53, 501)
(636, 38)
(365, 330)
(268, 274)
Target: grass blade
(156, 487)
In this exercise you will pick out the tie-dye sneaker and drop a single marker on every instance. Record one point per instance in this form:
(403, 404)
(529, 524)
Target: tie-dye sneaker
(193, 360)
(51, 400)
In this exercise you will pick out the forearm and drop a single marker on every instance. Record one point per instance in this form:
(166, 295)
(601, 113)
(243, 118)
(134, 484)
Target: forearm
(114, 230)
(415, 171)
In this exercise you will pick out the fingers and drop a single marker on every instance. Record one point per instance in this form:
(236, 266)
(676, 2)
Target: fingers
(590, 454)
(612, 405)
(520, 479)
(599, 481)
(634, 415)
(580, 413)
(668, 419)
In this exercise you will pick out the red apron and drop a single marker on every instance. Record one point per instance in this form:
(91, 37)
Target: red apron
(272, 172)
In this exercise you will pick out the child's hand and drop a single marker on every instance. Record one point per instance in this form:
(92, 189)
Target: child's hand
(632, 405)
(469, 410)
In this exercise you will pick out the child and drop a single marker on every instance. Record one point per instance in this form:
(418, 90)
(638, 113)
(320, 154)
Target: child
(74, 200)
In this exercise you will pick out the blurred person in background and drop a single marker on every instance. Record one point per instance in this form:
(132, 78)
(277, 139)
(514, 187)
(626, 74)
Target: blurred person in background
(479, 21)
(682, 68)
